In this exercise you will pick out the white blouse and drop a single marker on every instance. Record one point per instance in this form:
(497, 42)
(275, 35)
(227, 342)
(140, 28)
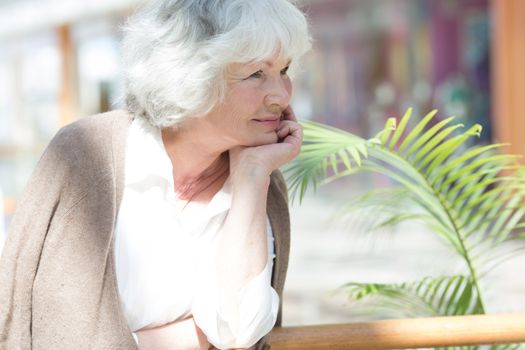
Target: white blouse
(165, 255)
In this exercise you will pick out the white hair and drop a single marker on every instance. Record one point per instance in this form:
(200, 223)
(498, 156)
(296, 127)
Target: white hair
(176, 51)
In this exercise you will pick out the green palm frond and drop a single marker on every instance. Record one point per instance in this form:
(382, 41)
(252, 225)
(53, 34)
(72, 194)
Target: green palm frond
(506, 347)
(377, 209)
(520, 235)
(446, 295)
(472, 197)
(325, 149)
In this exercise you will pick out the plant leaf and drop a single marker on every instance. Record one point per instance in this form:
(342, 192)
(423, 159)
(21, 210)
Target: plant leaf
(400, 128)
(427, 136)
(445, 295)
(384, 134)
(472, 199)
(417, 130)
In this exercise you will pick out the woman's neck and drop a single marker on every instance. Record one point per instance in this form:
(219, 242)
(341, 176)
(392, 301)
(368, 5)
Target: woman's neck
(200, 167)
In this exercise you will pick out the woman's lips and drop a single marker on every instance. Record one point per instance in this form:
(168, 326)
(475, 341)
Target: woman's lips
(272, 123)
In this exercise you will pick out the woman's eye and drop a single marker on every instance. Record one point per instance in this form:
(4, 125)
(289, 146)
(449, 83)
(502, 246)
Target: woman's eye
(256, 75)
(284, 71)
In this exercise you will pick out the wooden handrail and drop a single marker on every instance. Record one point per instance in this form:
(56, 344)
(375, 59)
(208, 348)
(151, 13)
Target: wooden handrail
(404, 334)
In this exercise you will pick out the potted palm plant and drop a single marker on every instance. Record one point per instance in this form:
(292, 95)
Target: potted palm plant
(472, 197)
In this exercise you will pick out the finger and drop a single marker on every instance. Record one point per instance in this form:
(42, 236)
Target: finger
(295, 140)
(288, 114)
(291, 131)
(287, 126)
(283, 132)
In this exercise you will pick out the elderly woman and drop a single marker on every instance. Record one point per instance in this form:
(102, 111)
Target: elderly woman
(166, 226)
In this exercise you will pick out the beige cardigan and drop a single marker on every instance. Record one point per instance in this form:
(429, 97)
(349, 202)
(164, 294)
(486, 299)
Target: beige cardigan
(57, 276)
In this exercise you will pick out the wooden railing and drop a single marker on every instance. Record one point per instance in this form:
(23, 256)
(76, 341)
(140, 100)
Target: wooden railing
(404, 334)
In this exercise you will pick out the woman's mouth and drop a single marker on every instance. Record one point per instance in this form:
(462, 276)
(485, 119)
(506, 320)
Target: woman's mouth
(271, 123)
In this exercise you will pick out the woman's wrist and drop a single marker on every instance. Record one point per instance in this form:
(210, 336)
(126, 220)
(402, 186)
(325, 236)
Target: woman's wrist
(250, 176)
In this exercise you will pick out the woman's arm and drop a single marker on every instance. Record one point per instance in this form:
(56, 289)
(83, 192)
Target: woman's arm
(179, 335)
(242, 250)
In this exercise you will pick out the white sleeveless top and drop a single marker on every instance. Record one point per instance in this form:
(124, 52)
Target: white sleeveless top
(164, 256)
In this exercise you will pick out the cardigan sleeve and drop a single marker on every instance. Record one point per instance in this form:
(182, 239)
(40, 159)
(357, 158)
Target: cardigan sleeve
(23, 246)
(278, 213)
(57, 285)
(2, 229)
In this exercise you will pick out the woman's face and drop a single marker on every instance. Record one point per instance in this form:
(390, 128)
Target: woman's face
(256, 95)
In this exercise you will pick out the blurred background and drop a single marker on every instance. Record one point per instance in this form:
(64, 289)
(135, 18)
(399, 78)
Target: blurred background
(372, 59)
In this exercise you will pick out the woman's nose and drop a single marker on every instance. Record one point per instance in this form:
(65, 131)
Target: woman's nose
(279, 92)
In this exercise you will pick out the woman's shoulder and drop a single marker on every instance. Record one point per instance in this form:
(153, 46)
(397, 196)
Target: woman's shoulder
(98, 124)
(90, 145)
(93, 133)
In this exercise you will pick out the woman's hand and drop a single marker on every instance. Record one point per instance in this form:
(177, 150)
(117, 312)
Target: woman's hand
(267, 158)
(178, 335)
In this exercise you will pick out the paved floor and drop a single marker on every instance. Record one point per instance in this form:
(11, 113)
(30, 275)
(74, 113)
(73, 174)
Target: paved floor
(324, 257)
